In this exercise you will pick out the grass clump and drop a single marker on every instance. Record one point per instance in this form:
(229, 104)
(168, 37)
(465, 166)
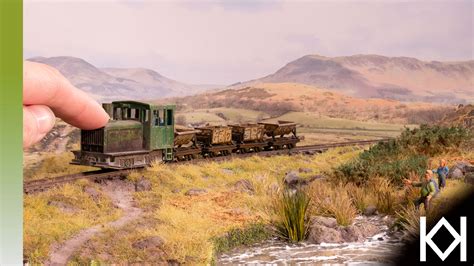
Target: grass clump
(385, 195)
(333, 201)
(241, 237)
(291, 210)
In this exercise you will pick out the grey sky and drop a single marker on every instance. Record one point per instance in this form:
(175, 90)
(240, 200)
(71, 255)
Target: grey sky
(223, 42)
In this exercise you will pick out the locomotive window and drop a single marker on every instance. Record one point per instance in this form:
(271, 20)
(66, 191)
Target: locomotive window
(118, 113)
(155, 118)
(161, 115)
(146, 114)
(169, 117)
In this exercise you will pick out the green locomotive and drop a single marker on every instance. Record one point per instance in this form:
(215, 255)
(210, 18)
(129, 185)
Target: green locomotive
(141, 133)
(138, 134)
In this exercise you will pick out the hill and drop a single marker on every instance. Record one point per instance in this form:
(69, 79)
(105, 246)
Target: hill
(279, 98)
(375, 76)
(107, 84)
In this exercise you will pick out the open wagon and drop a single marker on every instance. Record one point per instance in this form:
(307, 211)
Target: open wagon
(185, 143)
(248, 137)
(282, 134)
(215, 140)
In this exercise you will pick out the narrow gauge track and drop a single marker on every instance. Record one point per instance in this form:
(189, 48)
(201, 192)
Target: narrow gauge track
(38, 185)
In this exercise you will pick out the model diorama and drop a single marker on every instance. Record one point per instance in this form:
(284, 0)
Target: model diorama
(141, 133)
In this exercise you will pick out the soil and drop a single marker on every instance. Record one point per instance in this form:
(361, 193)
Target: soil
(120, 193)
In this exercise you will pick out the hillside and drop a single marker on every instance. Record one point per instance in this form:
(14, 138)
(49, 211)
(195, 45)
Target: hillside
(375, 76)
(109, 84)
(279, 98)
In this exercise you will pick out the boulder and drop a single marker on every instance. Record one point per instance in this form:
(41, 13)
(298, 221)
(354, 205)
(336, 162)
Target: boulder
(370, 210)
(292, 179)
(469, 178)
(227, 171)
(455, 173)
(244, 186)
(324, 221)
(149, 243)
(63, 206)
(321, 234)
(352, 233)
(143, 184)
(195, 192)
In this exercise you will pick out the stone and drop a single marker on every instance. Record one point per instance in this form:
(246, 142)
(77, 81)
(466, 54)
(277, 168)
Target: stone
(92, 192)
(469, 178)
(455, 173)
(370, 210)
(305, 170)
(143, 184)
(321, 234)
(245, 186)
(352, 233)
(292, 179)
(149, 243)
(195, 192)
(176, 190)
(62, 206)
(325, 221)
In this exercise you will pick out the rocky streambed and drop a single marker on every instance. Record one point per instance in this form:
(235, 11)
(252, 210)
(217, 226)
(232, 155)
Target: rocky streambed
(367, 241)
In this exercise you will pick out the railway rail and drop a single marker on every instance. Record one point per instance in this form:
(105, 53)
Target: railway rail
(37, 185)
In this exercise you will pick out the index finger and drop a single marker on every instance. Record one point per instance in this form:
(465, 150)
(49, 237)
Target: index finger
(44, 85)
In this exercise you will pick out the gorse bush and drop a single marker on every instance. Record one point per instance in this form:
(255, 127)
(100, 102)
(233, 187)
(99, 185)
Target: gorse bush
(409, 153)
(292, 220)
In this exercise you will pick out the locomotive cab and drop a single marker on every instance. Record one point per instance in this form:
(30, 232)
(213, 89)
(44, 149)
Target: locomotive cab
(137, 134)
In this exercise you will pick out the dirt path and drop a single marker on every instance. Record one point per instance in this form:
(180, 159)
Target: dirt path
(121, 194)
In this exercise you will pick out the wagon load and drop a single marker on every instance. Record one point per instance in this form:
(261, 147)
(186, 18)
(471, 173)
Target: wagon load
(249, 132)
(212, 135)
(279, 128)
(184, 136)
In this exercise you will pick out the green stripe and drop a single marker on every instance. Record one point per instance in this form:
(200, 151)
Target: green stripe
(11, 153)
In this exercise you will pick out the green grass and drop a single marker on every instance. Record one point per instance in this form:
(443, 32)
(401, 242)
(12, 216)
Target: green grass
(292, 217)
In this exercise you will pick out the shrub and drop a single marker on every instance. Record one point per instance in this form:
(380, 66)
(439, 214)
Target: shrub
(292, 220)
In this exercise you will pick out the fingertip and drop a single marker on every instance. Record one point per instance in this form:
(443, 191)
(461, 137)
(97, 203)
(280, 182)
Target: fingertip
(38, 120)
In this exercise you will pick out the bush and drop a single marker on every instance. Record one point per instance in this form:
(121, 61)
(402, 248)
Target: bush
(409, 153)
(292, 220)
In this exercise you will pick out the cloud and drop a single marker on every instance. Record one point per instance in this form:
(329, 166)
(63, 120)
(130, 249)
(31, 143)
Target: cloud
(229, 41)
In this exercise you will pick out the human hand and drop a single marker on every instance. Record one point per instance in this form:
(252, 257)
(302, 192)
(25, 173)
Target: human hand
(47, 94)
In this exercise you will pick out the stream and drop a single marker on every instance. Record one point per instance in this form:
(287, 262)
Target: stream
(375, 250)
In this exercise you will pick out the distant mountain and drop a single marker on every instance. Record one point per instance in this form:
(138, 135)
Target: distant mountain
(375, 76)
(108, 84)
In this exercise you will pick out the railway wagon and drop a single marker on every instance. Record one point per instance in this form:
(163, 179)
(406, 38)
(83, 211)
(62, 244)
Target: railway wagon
(185, 143)
(215, 140)
(282, 134)
(248, 137)
(137, 134)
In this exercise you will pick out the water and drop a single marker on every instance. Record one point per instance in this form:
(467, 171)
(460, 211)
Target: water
(375, 250)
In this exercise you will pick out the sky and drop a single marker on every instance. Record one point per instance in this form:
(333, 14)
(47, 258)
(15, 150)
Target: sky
(223, 42)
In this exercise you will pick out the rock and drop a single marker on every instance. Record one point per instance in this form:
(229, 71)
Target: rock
(370, 210)
(245, 186)
(325, 221)
(469, 178)
(195, 192)
(149, 243)
(325, 229)
(93, 193)
(173, 263)
(455, 173)
(143, 184)
(352, 233)
(321, 234)
(305, 170)
(292, 179)
(176, 190)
